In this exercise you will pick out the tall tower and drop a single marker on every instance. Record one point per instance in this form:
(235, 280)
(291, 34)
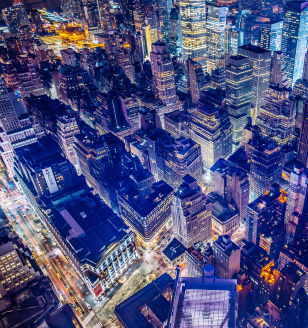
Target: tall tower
(128, 7)
(260, 59)
(193, 26)
(294, 38)
(21, 12)
(191, 213)
(215, 35)
(238, 94)
(163, 73)
(301, 85)
(277, 114)
(302, 153)
(8, 117)
(12, 21)
(91, 13)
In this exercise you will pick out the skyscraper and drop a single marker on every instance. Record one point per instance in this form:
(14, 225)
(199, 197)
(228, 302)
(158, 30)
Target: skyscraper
(203, 302)
(301, 85)
(191, 213)
(294, 38)
(12, 21)
(270, 36)
(260, 60)
(128, 7)
(21, 12)
(215, 35)
(91, 13)
(302, 153)
(175, 45)
(297, 191)
(277, 114)
(163, 73)
(265, 168)
(211, 129)
(226, 257)
(238, 94)
(193, 27)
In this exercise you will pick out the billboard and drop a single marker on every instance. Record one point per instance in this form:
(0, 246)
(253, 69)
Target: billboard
(98, 290)
(50, 180)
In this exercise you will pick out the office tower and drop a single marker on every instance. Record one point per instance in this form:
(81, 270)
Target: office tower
(128, 7)
(270, 36)
(278, 73)
(273, 240)
(265, 168)
(191, 213)
(301, 85)
(163, 73)
(164, 13)
(294, 38)
(91, 13)
(193, 27)
(260, 59)
(302, 153)
(212, 130)
(297, 190)
(196, 257)
(218, 79)
(36, 20)
(21, 12)
(265, 212)
(8, 116)
(254, 260)
(292, 279)
(233, 39)
(146, 214)
(277, 113)
(105, 16)
(215, 35)
(171, 159)
(14, 264)
(195, 79)
(67, 127)
(239, 73)
(177, 123)
(226, 257)
(175, 45)
(138, 17)
(231, 183)
(12, 21)
(210, 293)
(72, 9)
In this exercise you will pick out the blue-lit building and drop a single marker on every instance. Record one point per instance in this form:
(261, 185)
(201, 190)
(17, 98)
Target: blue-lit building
(294, 38)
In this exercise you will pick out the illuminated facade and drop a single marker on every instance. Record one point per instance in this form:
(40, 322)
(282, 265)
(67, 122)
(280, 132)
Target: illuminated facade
(294, 38)
(297, 191)
(175, 45)
(270, 36)
(91, 13)
(239, 73)
(301, 86)
(212, 130)
(193, 27)
(170, 160)
(163, 73)
(260, 59)
(191, 213)
(148, 214)
(277, 114)
(265, 168)
(215, 35)
(204, 301)
(302, 153)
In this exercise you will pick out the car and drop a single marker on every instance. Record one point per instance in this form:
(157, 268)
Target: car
(78, 308)
(68, 289)
(59, 276)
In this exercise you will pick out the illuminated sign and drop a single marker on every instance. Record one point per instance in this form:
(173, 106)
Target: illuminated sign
(50, 180)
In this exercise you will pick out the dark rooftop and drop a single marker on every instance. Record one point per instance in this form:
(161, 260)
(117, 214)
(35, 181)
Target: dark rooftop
(174, 250)
(253, 48)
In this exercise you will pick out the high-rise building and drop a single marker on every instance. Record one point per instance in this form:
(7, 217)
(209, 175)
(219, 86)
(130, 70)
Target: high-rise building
(171, 159)
(128, 7)
(175, 45)
(163, 73)
(301, 85)
(231, 183)
(191, 213)
(193, 27)
(67, 127)
(206, 301)
(239, 73)
(294, 38)
(270, 36)
(260, 59)
(212, 130)
(12, 21)
(277, 113)
(146, 214)
(265, 212)
(194, 70)
(233, 39)
(297, 191)
(196, 257)
(215, 35)
(21, 12)
(302, 152)
(177, 123)
(91, 13)
(265, 168)
(226, 257)
(292, 278)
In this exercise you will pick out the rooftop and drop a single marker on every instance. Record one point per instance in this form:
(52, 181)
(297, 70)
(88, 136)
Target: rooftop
(254, 49)
(174, 250)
